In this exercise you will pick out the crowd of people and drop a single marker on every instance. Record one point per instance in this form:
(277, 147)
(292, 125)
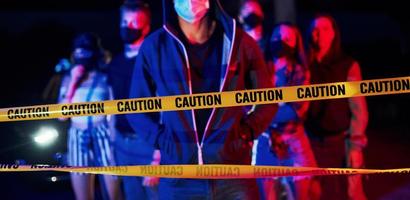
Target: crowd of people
(202, 49)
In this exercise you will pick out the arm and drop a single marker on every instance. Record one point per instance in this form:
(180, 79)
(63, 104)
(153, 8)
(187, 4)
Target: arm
(70, 85)
(357, 137)
(145, 124)
(258, 77)
(111, 118)
(303, 78)
(358, 107)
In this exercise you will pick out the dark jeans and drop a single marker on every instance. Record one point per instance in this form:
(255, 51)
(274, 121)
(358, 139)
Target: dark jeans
(131, 150)
(331, 152)
(235, 189)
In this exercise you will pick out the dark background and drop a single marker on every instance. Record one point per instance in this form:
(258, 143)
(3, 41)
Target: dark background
(34, 35)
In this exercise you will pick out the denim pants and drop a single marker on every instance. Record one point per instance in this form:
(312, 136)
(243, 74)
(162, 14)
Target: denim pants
(131, 150)
(234, 189)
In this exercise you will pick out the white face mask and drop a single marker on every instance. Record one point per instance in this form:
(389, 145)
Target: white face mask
(191, 10)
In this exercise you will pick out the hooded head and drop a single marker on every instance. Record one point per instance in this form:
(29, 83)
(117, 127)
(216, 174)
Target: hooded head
(215, 11)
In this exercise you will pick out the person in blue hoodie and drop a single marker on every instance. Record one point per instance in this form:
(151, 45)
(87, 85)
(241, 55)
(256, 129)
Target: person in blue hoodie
(199, 49)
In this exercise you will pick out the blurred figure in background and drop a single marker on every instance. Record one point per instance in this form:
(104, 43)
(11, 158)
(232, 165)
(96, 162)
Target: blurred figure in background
(88, 136)
(336, 127)
(129, 147)
(251, 17)
(285, 142)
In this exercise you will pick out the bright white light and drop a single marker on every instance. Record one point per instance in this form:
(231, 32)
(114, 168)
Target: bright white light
(53, 179)
(46, 136)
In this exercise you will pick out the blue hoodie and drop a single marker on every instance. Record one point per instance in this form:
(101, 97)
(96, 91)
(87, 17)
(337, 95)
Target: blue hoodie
(162, 69)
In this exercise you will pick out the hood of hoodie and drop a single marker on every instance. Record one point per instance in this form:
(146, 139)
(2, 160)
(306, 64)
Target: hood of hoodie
(170, 17)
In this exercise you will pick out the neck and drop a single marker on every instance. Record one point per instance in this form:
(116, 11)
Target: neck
(198, 32)
(256, 33)
(321, 53)
(131, 50)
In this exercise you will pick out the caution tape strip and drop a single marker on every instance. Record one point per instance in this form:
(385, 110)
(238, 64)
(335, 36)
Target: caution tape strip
(203, 171)
(210, 100)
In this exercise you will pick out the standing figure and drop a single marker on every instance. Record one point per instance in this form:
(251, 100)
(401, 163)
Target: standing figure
(199, 49)
(285, 142)
(336, 127)
(88, 136)
(129, 147)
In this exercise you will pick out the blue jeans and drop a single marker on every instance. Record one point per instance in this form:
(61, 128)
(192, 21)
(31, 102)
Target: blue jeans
(132, 150)
(235, 189)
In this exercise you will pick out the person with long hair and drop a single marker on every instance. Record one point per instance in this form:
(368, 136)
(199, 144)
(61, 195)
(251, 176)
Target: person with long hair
(336, 127)
(285, 141)
(88, 136)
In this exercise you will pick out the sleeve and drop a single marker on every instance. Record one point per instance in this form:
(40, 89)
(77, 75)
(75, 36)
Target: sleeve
(259, 77)
(110, 97)
(145, 124)
(358, 107)
(65, 81)
(302, 78)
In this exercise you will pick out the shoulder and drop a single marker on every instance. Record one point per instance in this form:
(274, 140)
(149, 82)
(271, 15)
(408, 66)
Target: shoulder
(354, 73)
(247, 44)
(154, 39)
(244, 39)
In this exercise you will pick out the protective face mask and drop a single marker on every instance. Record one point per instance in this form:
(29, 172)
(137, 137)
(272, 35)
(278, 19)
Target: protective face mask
(87, 63)
(87, 58)
(281, 49)
(252, 20)
(191, 10)
(129, 35)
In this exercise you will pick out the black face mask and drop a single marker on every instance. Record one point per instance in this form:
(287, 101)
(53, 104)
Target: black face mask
(88, 63)
(281, 49)
(129, 35)
(252, 20)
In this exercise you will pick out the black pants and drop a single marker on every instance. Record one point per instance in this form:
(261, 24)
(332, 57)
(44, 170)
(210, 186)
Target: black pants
(331, 152)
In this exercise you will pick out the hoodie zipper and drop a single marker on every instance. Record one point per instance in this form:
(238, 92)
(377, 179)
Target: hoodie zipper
(200, 159)
(200, 145)
(223, 83)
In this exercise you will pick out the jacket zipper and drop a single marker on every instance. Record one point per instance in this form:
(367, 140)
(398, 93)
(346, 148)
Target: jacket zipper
(223, 83)
(200, 159)
(200, 145)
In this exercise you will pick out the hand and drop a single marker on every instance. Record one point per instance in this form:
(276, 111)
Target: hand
(355, 185)
(279, 145)
(246, 140)
(150, 181)
(153, 181)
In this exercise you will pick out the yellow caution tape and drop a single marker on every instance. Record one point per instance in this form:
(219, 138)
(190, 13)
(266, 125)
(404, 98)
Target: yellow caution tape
(203, 171)
(210, 100)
